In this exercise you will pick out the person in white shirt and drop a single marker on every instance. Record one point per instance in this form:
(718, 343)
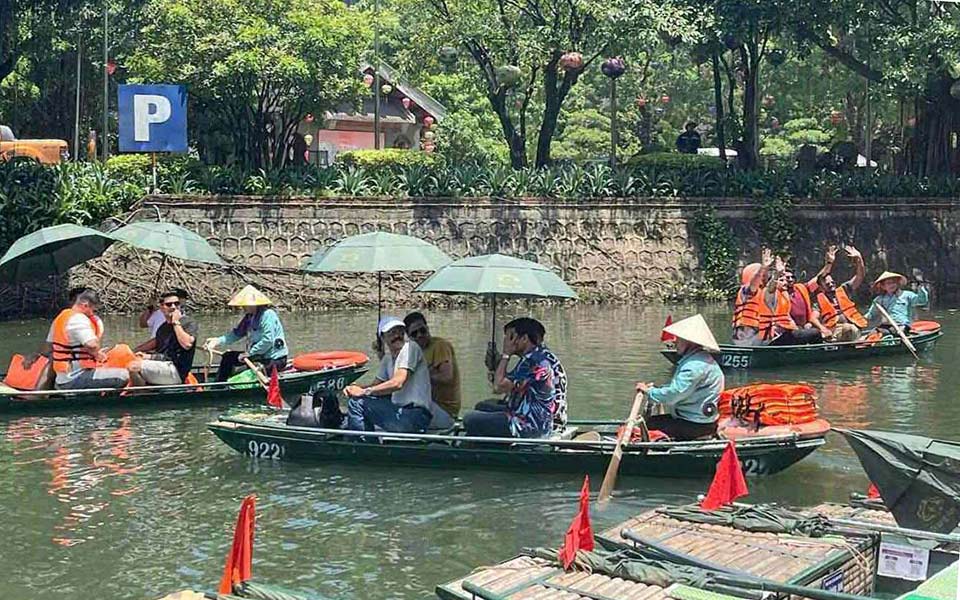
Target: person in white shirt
(75, 348)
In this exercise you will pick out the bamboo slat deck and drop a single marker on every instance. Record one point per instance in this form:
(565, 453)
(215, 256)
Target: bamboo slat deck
(845, 511)
(819, 562)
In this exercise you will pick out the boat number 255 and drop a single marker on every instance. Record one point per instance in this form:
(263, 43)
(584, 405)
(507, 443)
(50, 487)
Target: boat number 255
(735, 361)
(268, 450)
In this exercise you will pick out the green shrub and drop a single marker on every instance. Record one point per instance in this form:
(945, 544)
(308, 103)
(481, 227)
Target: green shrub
(372, 160)
(677, 161)
(134, 168)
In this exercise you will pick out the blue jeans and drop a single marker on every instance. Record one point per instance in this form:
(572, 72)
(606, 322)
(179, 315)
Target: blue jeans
(365, 412)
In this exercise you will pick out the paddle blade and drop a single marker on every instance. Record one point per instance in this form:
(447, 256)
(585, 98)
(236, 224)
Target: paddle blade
(728, 483)
(667, 337)
(274, 398)
(238, 567)
(579, 535)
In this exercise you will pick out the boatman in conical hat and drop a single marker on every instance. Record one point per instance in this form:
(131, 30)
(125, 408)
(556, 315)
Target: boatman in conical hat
(260, 325)
(692, 395)
(900, 303)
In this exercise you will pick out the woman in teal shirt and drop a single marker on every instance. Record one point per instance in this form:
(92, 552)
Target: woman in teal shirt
(266, 343)
(692, 395)
(898, 302)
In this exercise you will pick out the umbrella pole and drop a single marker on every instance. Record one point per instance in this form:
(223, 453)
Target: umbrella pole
(493, 324)
(156, 284)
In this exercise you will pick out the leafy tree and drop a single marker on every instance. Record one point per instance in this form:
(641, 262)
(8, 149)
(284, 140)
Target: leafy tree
(255, 68)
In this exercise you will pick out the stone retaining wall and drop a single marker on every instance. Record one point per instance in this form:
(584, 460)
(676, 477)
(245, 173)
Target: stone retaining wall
(616, 250)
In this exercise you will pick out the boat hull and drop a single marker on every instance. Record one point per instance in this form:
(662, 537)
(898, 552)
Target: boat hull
(275, 441)
(742, 358)
(291, 384)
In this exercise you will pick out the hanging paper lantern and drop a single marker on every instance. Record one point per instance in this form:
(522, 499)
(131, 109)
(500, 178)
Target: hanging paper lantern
(768, 100)
(368, 79)
(308, 118)
(836, 117)
(955, 89)
(111, 67)
(433, 126)
(571, 61)
(777, 57)
(429, 135)
(308, 139)
(641, 101)
(386, 88)
(664, 99)
(448, 55)
(428, 120)
(613, 67)
(508, 75)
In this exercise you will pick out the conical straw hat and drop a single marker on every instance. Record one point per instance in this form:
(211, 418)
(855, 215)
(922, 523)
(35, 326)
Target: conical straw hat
(889, 275)
(249, 296)
(695, 330)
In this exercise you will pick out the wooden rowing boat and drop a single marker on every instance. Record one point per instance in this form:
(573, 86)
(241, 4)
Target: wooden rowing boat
(764, 357)
(266, 436)
(291, 383)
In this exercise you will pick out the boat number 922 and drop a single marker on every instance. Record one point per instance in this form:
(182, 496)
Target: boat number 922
(735, 361)
(268, 450)
(753, 466)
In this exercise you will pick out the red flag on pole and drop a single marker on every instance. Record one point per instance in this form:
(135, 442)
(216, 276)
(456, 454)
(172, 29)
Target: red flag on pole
(667, 337)
(579, 536)
(873, 493)
(728, 482)
(274, 398)
(240, 560)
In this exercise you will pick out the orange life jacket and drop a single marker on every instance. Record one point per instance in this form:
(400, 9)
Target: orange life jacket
(829, 314)
(756, 314)
(65, 353)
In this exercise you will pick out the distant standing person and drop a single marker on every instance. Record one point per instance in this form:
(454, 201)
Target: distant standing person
(689, 141)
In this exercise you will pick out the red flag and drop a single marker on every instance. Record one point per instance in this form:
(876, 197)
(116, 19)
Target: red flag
(873, 492)
(728, 482)
(667, 337)
(274, 398)
(580, 534)
(240, 560)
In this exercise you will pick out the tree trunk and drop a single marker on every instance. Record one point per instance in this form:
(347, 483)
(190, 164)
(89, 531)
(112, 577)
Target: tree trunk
(515, 142)
(748, 155)
(555, 92)
(718, 104)
(938, 118)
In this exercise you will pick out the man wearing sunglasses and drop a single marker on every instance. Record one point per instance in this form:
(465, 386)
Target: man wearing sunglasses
(167, 358)
(442, 360)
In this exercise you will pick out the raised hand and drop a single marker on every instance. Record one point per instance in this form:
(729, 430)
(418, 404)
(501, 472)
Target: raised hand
(852, 252)
(766, 258)
(831, 253)
(779, 265)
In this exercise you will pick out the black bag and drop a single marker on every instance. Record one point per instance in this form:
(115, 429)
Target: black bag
(328, 416)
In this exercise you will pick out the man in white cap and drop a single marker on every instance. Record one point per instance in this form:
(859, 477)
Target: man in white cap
(692, 395)
(400, 398)
(266, 342)
(898, 302)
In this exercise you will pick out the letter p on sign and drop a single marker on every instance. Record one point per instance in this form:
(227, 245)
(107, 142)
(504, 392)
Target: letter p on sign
(153, 118)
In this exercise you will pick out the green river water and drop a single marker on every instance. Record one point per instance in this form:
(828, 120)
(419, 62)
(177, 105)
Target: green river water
(138, 503)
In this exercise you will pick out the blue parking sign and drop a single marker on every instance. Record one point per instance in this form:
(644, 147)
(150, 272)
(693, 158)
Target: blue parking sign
(153, 118)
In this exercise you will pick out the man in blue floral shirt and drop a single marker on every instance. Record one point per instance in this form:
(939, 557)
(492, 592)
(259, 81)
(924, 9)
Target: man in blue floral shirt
(529, 387)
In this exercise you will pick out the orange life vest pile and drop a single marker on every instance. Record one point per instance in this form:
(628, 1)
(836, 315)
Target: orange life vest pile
(766, 404)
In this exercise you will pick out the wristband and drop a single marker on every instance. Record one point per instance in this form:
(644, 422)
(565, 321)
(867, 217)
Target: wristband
(368, 391)
(505, 357)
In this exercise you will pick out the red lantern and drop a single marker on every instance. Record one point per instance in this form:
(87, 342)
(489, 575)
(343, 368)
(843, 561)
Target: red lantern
(309, 118)
(641, 101)
(428, 120)
(405, 102)
(571, 61)
(665, 99)
(835, 117)
(111, 67)
(368, 79)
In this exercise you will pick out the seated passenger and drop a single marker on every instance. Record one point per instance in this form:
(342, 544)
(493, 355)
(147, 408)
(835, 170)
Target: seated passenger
(168, 357)
(837, 311)
(530, 403)
(400, 398)
(152, 316)
(444, 372)
(761, 312)
(559, 382)
(692, 395)
(809, 329)
(266, 342)
(75, 348)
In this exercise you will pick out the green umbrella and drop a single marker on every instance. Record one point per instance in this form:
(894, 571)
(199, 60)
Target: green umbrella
(497, 275)
(375, 253)
(169, 240)
(51, 251)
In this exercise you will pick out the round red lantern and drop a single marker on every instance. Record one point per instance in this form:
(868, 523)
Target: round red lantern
(405, 102)
(428, 120)
(368, 79)
(571, 61)
(308, 118)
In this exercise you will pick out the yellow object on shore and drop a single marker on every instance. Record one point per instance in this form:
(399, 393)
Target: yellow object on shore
(249, 296)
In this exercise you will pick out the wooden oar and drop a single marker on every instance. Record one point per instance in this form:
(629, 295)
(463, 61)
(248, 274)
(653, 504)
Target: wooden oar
(898, 329)
(610, 479)
(264, 382)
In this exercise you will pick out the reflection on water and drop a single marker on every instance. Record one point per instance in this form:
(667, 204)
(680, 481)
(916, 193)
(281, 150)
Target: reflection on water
(135, 503)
